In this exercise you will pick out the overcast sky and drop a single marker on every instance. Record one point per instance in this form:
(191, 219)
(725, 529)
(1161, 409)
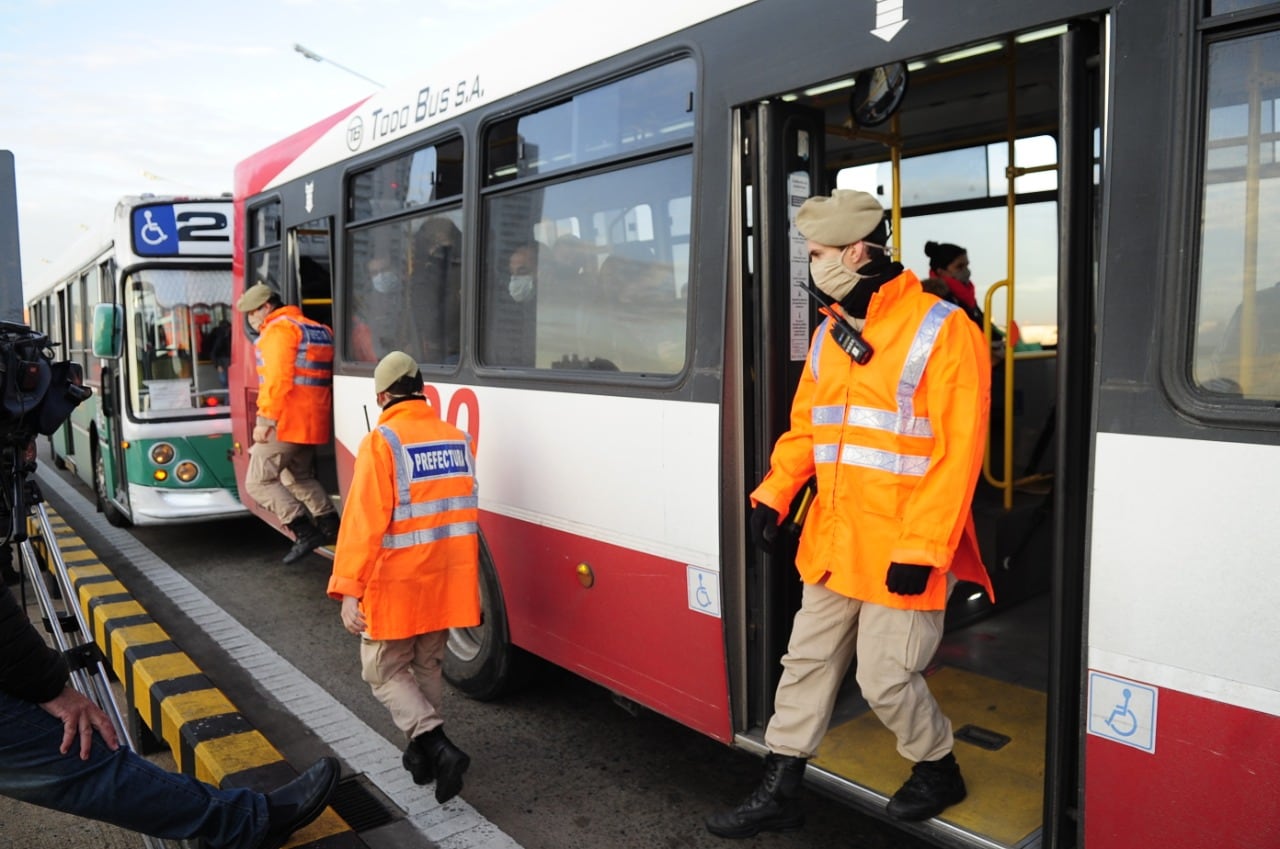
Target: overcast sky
(104, 98)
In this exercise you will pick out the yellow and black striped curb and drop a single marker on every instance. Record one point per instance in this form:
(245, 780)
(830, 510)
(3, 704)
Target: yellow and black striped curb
(209, 738)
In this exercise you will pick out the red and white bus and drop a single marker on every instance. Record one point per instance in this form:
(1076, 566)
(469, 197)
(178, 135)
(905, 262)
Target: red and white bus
(585, 239)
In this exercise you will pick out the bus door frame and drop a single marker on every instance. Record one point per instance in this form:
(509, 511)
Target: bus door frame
(781, 144)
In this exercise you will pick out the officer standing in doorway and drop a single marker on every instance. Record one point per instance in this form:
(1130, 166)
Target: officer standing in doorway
(895, 443)
(295, 414)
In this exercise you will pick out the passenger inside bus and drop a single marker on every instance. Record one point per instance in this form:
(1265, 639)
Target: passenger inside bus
(510, 335)
(639, 316)
(435, 293)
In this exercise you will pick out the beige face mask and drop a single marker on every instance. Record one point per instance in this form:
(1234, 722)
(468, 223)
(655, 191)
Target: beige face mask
(832, 277)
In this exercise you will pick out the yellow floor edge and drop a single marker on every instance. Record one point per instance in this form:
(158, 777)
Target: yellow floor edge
(1006, 786)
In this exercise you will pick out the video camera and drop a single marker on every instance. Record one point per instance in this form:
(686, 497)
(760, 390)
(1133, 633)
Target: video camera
(36, 396)
(36, 393)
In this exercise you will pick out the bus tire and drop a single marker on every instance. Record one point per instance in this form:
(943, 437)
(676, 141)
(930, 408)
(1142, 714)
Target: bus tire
(481, 662)
(105, 505)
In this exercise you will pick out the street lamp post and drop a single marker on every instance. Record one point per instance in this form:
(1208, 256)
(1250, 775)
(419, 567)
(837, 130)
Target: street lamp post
(316, 57)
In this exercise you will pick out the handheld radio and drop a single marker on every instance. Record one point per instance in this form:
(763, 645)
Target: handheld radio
(845, 334)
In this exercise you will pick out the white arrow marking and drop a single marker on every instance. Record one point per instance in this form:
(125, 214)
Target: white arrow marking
(888, 19)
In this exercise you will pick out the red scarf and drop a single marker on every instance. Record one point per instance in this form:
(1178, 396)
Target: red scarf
(964, 292)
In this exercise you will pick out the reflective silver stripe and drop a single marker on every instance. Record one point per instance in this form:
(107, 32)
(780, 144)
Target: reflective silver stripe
(918, 355)
(408, 539)
(827, 415)
(431, 508)
(893, 422)
(887, 461)
(903, 420)
(402, 464)
(323, 339)
(312, 381)
(817, 346)
(825, 453)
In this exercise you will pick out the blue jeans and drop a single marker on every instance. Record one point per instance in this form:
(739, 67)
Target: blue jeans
(118, 787)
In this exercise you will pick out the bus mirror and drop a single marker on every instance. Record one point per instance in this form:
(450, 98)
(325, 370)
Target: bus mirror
(108, 326)
(877, 94)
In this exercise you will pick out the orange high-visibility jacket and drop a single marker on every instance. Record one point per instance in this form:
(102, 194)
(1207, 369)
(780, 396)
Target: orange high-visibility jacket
(295, 376)
(896, 445)
(408, 546)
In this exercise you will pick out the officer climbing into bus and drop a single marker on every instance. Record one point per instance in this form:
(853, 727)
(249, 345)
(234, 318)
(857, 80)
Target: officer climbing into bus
(407, 564)
(295, 414)
(890, 418)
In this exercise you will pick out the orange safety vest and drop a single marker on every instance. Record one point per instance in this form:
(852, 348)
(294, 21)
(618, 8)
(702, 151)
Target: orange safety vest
(408, 546)
(896, 446)
(295, 376)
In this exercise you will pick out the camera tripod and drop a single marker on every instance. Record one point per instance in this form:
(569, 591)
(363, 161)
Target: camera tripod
(63, 618)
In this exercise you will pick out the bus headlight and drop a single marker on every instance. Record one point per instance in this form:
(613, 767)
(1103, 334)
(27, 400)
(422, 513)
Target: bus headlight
(161, 453)
(186, 471)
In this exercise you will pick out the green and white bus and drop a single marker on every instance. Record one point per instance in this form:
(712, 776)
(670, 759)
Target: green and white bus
(144, 308)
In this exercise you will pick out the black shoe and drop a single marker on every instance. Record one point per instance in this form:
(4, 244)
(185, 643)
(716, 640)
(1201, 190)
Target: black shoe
(307, 538)
(328, 525)
(933, 787)
(447, 760)
(773, 806)
(299, 802)
(420, 765)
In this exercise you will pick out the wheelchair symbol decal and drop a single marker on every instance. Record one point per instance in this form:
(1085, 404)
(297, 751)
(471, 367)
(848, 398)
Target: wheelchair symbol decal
(151, 232)
(1122, 710)
(703, 590)
(1128, 723)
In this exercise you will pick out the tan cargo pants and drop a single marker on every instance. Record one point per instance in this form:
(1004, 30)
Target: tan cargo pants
(280, 478)
(406, 676)
(893, 647)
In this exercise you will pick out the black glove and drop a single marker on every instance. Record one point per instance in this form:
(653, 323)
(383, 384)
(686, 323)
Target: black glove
(907, 578)
(764, 527)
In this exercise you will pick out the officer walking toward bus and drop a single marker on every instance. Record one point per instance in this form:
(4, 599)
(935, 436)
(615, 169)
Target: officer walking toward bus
(895, 443)
(295, 413)
(407, 564)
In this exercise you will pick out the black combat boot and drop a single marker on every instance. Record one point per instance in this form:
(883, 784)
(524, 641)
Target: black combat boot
(306, 538)
(447, 760)
(933, 787)
(773, 806)
(328, 525)
(420, 765)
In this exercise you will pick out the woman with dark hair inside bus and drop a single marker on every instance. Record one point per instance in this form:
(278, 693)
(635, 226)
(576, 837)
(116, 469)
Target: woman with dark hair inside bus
(949, 264)
(949, 280)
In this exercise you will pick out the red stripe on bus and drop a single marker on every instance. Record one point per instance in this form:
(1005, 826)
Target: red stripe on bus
(1213, 780)
(632, 631)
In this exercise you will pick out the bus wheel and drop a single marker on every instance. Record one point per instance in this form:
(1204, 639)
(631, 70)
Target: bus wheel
(105, 505)
(480, 661)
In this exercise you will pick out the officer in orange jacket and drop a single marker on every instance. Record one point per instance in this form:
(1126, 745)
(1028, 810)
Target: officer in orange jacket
(407, 564)
(295, 413)
(895, 445)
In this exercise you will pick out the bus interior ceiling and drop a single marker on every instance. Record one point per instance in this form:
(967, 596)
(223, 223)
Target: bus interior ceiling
(991, 672)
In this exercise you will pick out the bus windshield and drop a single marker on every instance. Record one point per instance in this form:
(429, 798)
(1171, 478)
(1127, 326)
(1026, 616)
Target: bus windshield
(178, 342)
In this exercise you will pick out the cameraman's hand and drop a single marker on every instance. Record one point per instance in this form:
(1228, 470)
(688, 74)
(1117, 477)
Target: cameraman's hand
(80, 717)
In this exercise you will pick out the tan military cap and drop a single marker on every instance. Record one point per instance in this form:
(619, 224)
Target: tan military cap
(391, 368)
(254, 297)
(842, 219)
